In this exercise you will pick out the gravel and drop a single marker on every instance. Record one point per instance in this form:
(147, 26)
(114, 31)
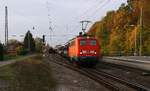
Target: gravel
(69, 80)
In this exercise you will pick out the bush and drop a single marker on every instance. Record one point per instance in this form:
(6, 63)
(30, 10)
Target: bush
(22, 51)
(1, 52)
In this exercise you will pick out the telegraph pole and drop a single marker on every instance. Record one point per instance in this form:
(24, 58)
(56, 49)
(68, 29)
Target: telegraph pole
(84, 25)
(6, 27)
(135, 44)
(141, 29)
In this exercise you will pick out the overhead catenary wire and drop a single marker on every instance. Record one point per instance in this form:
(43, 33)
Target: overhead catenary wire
(88, 9)
(98, 6)
(84, 13)
(62, 35)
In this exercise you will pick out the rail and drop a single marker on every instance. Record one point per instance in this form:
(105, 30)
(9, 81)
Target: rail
(88, 74)
(97, 76)
(136, 86)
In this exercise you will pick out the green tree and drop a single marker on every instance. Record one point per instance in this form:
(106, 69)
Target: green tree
(29, 42)
(1, 52)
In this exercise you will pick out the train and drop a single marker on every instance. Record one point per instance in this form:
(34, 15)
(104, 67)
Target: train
(82, 50)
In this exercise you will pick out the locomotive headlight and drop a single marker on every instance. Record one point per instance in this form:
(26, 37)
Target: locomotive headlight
(81, 52)
(95, 52)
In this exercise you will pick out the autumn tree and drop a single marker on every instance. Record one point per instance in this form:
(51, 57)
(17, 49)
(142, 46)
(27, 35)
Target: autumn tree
(120, 30)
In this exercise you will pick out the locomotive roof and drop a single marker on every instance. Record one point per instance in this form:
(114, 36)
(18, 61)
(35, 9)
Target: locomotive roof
(81, 37)
(85, 36)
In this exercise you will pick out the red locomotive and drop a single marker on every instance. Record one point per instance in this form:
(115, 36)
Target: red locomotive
(84, 50)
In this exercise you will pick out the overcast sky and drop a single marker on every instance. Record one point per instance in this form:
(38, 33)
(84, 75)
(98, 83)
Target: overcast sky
(62, 15)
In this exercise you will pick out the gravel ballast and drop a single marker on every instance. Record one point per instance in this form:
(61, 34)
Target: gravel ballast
(69, 80)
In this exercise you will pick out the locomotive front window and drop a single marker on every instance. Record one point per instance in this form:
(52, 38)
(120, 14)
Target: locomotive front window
(82, 42)
(93, 42)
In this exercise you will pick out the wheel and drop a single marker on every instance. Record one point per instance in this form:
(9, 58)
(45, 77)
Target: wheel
(71, 60)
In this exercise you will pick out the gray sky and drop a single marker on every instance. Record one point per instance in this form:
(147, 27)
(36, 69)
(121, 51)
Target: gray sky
(63, 14)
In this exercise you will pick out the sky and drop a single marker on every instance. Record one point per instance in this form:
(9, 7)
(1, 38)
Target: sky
(63, 16)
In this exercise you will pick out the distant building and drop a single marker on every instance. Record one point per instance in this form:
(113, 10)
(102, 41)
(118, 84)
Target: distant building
(12, 48)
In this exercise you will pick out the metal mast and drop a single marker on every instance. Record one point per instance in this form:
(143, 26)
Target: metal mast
(6, 27)
(141, 28)
(50, 21)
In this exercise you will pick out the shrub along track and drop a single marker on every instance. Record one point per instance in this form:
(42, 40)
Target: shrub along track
(111, 82)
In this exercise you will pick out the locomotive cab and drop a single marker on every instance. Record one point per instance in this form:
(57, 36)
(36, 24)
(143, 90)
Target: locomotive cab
(84, 50)
(88, 51)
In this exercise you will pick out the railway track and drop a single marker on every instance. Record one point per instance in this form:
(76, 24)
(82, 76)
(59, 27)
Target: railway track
(87, 74)
(111, 82)
(136, 86)
(123, 67)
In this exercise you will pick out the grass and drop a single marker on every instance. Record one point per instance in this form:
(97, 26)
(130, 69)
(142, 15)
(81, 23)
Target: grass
(8, 57)
(6, 72)
(32, 74)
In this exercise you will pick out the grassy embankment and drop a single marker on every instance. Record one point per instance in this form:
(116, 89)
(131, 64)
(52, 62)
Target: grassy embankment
(8, 57)
(32, 74)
